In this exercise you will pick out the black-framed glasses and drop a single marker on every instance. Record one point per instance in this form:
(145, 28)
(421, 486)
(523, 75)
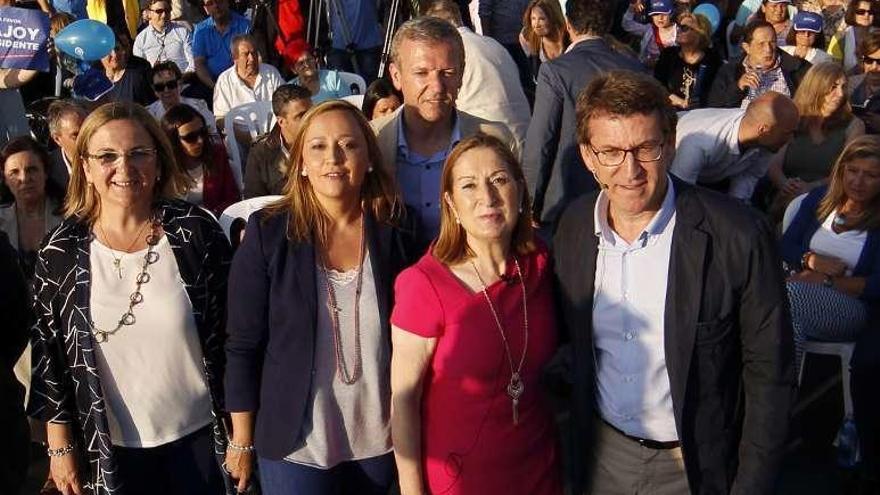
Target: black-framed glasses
(870, 60)
(194, 136)
(864, 12)
(159, 11)
(650, 152)
(159, 87)
(137, 156)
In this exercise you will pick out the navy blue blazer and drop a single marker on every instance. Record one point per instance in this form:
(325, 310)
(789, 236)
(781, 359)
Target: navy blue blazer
(272, 317)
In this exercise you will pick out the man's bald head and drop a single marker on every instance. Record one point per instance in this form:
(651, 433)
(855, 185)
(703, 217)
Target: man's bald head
(772, 119)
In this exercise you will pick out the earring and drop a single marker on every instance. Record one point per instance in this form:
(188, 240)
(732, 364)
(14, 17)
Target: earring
(370, 169)
(520, 208)
(304, 173)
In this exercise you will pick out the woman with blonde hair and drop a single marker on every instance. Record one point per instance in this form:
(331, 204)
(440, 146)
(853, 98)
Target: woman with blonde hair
(826, 125)
(127, 347)
(543, 36)
(309, 346)
(688, 69)
(473, 326)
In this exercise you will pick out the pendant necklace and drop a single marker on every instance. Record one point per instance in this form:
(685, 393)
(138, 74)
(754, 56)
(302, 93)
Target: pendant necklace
(515, 387)
(117, 262)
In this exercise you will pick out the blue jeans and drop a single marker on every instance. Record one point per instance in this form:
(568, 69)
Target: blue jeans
(372, 476)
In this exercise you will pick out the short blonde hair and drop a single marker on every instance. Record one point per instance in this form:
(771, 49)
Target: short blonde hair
(82, 201)
(309, 222)
(451, 246)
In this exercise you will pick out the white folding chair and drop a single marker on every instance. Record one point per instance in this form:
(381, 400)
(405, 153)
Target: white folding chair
(258, 119)
(243, 210)
(349, 78)
(790, 211)
(356, 100)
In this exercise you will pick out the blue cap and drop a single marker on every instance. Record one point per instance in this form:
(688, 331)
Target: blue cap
(808, 21)
(660, 7)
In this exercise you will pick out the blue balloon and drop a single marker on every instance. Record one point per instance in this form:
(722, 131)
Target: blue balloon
(711, 13)
(86, 40)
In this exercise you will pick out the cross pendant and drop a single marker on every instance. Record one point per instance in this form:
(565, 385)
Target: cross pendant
(117, 265)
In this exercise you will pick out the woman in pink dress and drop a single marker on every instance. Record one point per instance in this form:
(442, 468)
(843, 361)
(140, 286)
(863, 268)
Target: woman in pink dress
(472, 327)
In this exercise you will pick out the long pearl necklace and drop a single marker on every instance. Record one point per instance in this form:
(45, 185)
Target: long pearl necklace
(515, 387)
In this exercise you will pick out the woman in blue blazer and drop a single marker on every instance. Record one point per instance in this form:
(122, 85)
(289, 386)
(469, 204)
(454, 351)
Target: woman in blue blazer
(308, 354)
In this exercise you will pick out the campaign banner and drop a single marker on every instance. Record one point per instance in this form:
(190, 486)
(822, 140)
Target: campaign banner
(24, 34)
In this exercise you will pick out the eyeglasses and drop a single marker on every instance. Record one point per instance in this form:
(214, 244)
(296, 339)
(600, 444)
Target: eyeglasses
(159, 11)
(160, 87)
(645, 153)
(299, 64)
(864, 12)
(684, 28)
(193, 136)
(137, 156)
(870, 61)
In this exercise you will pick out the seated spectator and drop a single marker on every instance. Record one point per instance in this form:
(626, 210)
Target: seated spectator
(490, 87)
(833, 14)
(130, 80)
(776, 13)
(731, 149)
(269, 157)
(746, 12)
(381, 99)
(248, 80)
(212, 39)
(864, 86)
(203, 157)
(30, 199)
(322, 84)
(833, 246)
(859, 21)
(687, 70)
(163, 39)
(167, 80)
(826, 125)
(659, 34)
(543, 36)
(763, 67)
(805, 39)
(64, 118)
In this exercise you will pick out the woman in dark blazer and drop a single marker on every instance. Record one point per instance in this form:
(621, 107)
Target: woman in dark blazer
(308, 354)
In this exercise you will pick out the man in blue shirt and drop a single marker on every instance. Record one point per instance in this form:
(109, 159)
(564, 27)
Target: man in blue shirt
(212, 40)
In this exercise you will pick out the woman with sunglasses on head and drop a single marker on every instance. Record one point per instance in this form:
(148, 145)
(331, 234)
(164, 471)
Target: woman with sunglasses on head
(859, 19)
(203, 157)
(687, 70)
(166, 79)
(128, 342)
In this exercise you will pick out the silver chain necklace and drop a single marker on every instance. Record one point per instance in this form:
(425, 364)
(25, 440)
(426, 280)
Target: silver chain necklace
(515, 387)
(341, 366)
(128, 318)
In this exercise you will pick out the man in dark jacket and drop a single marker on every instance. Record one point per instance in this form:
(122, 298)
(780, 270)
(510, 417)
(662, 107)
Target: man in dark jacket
(763, 67)
(14, 433)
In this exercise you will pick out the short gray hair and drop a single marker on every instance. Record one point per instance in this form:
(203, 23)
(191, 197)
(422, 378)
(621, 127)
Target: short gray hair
(60, 110)
(427, 30)
(239, 39)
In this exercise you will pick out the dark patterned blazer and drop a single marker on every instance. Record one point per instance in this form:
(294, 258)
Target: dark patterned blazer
(66, 386)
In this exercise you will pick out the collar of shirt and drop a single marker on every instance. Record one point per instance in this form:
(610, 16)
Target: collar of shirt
(414, 158)
(284, 150)
(733, 140)
(655, 227)
(580, 39)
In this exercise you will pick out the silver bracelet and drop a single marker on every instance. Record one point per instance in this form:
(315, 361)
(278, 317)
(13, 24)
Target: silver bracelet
(240, 448)
(60, 452)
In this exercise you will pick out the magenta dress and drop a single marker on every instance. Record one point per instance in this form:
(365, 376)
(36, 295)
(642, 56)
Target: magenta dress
(469, 442)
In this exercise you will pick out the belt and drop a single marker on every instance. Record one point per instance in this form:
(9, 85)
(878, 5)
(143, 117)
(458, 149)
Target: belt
(644, 442)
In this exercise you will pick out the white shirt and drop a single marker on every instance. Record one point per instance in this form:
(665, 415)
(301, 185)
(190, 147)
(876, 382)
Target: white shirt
(174, 44)
(707, 150)
(629, 307)
(152, 374)
(845, 246)
(490, 87)
(814, 55)
(230, 91)
(157, 110)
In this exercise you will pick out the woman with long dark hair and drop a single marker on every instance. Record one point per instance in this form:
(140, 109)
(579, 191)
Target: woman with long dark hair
(203, 157)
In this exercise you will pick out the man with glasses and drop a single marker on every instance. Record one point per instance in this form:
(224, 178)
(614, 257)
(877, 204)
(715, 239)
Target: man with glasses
(675, 302)
(323, 84)
(729, 149)
(212, 39)
(166, 80)
(163, 39)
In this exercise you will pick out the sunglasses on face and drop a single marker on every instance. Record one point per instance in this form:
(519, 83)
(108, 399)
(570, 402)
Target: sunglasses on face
(160, 11)
(870, 61)
(684, 28)
(864, 12)
(194, 136)
(160, 87)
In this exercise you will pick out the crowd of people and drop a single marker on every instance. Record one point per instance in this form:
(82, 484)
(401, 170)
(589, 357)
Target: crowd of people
(629, 214)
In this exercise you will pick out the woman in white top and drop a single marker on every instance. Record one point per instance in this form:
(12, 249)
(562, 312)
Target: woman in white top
(806, 39)
(130, 293)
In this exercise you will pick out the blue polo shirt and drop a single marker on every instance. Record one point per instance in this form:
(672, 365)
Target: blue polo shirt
(215, 47)
(363, 25)
(419, 179)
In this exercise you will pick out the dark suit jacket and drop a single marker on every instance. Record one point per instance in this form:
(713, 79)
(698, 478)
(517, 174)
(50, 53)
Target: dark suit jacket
(726, 94)
(552, 163)
(728, 339)
(272, 319)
